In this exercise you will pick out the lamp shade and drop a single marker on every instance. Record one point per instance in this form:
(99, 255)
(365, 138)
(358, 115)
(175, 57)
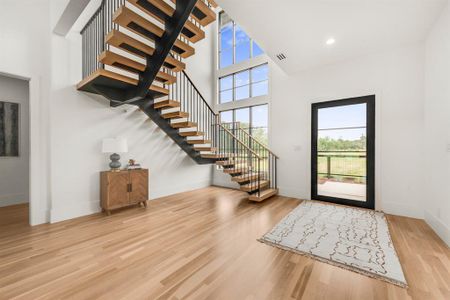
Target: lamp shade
(114, 145)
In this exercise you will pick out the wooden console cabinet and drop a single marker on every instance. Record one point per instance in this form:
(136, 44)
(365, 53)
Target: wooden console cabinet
(124, 188)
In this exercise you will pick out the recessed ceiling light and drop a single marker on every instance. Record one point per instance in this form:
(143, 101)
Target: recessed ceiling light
(330, 41)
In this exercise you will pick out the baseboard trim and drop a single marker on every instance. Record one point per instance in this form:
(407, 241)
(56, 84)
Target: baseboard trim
(58, 214)
(226, 184)
(400, 209)
(291, 192)
(442, 230)
(42, 218)
(13, 199)
(175, 189)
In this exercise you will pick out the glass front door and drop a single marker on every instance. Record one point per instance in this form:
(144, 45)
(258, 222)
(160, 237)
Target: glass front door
(343, 134)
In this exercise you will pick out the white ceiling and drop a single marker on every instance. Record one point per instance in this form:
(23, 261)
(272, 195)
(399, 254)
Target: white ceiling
(299, 28)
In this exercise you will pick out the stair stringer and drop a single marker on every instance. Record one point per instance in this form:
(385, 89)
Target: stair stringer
(146, 106)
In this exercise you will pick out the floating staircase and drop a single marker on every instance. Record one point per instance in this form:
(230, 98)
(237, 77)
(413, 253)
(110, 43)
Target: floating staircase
(133, 53)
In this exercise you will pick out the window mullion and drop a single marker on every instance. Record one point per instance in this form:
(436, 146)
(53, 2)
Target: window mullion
(220, 46)
(250, 82)
(250, 111)
(234, 88)
(234, 42)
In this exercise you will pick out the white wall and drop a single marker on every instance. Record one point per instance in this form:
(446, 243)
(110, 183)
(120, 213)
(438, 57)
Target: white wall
(396, 78)
(437, 127)
(79, 122)
(201, 66)
(14, 171)
(25, 52)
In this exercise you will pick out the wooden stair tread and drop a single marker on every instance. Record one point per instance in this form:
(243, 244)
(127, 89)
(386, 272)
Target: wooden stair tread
(245, 177)
(125, 80)
(197, 142)
(200, 148)
(225, 163)
(159, 89)
(213, 3)
(125, 42)
(263, 195)
(191, 133)
(254, 185)
(183, 124)
(217, 156)
(165, 78)
(175, 115)
(163, 6)
(202, 13)
(210, 155)
(183, 49)
(127, 18)
(235, 170)
(162, 12)
(116, 60)
(166, 104)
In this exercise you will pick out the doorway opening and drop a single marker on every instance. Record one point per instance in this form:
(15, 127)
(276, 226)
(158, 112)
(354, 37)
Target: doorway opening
(343, 151)
(14, 150)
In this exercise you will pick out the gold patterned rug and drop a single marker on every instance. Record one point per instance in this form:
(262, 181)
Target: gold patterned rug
(351, 238)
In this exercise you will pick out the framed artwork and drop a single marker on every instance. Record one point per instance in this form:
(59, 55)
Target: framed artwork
(9, 129)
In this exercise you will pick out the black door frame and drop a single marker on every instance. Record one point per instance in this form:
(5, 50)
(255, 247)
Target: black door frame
(370, 161)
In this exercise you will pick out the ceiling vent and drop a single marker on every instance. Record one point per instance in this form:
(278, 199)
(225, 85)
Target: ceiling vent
(281, 56)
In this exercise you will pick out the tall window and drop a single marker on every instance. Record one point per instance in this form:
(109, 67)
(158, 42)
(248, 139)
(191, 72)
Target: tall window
(254, 119)
(245, 79)
(249, 83)
(235, 45)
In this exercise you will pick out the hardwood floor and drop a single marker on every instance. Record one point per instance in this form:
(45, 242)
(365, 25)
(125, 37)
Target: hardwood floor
(197, 245)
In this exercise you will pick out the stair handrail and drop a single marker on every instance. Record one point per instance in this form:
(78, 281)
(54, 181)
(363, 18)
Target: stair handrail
(241, 153)
(196, 89)
(267, 158)
(200, 94)
(238, 127)
(238, 140)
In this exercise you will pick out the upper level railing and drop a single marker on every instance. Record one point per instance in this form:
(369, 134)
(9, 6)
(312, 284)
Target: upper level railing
(99, 25)
(93, 35)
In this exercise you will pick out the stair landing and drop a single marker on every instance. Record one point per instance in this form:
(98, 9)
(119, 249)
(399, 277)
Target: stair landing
(114, 81)
(263, 195)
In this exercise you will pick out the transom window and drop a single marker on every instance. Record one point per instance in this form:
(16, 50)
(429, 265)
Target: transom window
(249, 83)
(254, 119)
(235, 45)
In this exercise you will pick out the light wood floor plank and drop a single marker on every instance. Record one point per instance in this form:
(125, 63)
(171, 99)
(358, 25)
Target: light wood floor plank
(197, 245)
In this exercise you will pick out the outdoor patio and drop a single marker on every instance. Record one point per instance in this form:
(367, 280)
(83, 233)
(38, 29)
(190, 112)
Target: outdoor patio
(352, 191)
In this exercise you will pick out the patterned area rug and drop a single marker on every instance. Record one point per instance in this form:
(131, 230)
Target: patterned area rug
(351, 238)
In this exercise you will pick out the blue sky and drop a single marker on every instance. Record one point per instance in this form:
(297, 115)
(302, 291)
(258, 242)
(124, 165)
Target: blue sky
(242, 41)
(342, 117)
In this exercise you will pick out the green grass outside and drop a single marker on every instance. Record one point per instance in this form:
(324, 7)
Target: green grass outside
(349, 165)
